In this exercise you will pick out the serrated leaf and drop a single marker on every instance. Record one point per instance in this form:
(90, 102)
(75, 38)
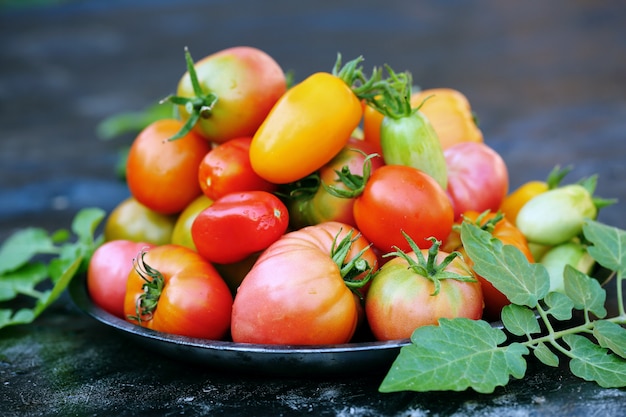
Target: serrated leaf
(505, 266)
(594, 363)
(456, 355)
(85, 223)
(520, 320)
(611, 336)
(609, 245)
(559, 305)
(22, 281)
(21, 246)
(585, 292)
(58, 288)
(545, 355)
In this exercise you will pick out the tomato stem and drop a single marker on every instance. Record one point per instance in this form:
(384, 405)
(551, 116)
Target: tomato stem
(352, 271)
(152, 287)
(355, 183)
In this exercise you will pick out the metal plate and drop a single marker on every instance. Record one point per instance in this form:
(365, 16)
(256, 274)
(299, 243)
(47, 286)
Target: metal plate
(344, 359)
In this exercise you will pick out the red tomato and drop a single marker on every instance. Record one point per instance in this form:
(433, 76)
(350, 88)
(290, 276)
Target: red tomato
(506, 232)
(477, 177)
(296, 292)
(399, 198)
(108, 272)
(318, 205)
(227, 169)
(238, 88)
(172, 289)
(238, 225)
(409, 292)
(163, 175)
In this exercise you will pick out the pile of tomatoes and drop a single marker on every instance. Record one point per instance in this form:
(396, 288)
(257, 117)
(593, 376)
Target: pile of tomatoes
(304, 214)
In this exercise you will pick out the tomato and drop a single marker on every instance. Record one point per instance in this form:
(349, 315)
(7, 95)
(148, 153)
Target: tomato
(450, 114)
(227, 169)
(308, 126)
(399, 198)
(372, 120)
(181, 235)
(315, 204)
(163, 175)
(130, 220)
(108, 272)
(418, 288)
(229, 93)
(478, 178)
(239, 224)
(571, 253)
(508, 234)
(172, 289)
(297, 291)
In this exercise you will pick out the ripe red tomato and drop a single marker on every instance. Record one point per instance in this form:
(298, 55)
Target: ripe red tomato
(239, 87)
(409, 292)
(238, 225)
(108, 272)
(317, 205)
(399, 198)
(163, 175)
(478, 179)
(172, 289)
(227, 169)
(296, 293)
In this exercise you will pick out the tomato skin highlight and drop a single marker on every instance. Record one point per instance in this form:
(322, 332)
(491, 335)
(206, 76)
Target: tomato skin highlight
(227, 169)
(238, 225)
(305, 129)
(400, 198)
(400, 300)
(108, 272)
(163, 175)
(478, 178)
(247, 82)
(295, 295)
(194, 302)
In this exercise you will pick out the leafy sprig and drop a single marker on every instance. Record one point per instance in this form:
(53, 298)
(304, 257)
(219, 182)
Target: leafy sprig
(38, 265)
(460, 353)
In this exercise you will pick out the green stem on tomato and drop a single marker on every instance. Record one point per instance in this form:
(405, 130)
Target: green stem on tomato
(351, 271)
(355, 184)
(153, 287)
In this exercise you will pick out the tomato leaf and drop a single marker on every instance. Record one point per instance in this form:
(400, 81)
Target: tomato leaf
(505, 266)
(611, 336)
(456, 355)
(560, 306)
(609, 245)
(545, 355)
(585, 292)
(594, 363)
(20, 247)
(520, 320)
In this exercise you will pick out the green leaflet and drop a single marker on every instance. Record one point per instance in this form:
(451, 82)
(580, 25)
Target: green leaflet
(594, 363)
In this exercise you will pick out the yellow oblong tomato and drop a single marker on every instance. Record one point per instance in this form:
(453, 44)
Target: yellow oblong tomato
(449, 111)
(514, 202)
(306, 128)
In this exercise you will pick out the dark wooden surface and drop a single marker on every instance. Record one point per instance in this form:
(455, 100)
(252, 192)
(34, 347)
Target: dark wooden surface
(546, 78)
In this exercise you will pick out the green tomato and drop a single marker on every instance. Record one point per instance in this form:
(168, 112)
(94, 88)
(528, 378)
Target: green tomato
(556, 216)
(569, 253)
(181, 235)
(133, 221)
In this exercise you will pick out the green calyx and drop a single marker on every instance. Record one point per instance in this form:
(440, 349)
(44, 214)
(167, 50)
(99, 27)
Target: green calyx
(355, 183)
(152, 289)
(429, 267)
(199, 106)
(363, 87)
(394, 100)
(302, 189)
(353, 268)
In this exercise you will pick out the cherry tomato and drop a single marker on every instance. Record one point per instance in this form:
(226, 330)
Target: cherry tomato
(398, 199)
(478, 179)
(414, 289)
(296, 292)
(227, 169)
(172, 289)
(108, 272)
(131, 220)
(235, 89)
(181, 235)
(161, 174)
(316, 204)
(239, 224)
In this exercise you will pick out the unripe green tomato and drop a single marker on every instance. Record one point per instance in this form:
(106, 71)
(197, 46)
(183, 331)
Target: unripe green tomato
(182, 229)
(569, 253)
(557, 215)
(133, 221)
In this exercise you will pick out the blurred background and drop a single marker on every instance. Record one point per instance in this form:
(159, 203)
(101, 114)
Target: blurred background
(547, 79)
